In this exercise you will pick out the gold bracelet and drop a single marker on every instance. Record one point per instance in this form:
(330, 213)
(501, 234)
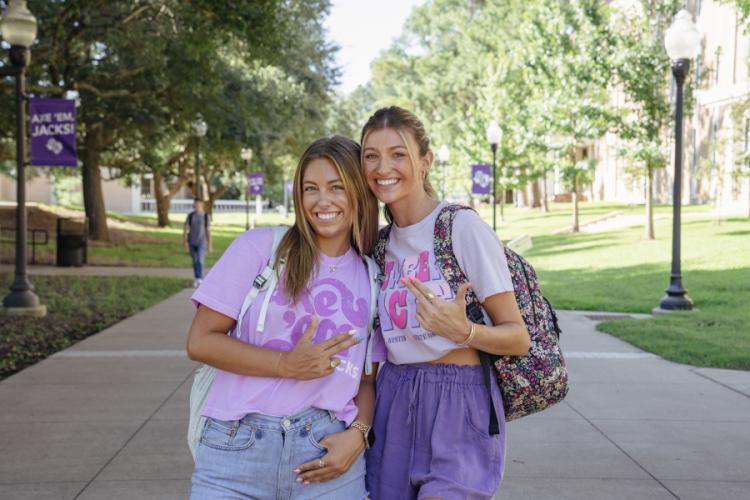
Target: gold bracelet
(364, 429)
(472, 332)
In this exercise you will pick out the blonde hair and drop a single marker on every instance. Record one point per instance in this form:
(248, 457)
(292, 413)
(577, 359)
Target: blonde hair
(406, 124)
(299, 247)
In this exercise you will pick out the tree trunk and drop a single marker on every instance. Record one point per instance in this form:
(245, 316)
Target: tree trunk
(502, 205)
(93, 199)
(576, 227)
(162, 201)
(649, 234)
(545, 206)
(536, 194)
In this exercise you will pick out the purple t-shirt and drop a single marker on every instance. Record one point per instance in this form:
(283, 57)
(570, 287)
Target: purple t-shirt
(339, 295)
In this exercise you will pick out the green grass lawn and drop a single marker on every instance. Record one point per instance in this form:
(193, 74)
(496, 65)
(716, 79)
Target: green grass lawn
(620, 271)
(77, 307)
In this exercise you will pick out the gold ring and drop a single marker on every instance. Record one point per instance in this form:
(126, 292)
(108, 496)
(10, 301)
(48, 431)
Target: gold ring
(334, 363)
(321, 463)
(431, 297)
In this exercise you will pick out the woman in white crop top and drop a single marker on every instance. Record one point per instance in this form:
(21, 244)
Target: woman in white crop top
(433, 407)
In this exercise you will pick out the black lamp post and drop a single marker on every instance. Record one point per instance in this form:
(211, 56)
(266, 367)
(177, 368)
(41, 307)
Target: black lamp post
(199, 128)
(18, 27)
(494, 134)
(682, 41)
(247, 155)
(443, 156)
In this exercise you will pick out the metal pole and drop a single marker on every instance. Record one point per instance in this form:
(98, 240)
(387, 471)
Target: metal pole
(199, 184)
(494, 186)
(676, 298)
(22, 293)
(247, 195)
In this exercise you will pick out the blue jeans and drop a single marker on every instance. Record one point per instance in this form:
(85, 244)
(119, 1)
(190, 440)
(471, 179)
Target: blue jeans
(255, 458)
(198, 253)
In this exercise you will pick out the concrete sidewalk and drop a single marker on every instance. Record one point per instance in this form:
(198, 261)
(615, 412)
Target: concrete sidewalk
(107, 419)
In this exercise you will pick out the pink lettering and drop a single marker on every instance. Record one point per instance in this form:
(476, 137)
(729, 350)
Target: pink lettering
(423, 267)
(397, 308)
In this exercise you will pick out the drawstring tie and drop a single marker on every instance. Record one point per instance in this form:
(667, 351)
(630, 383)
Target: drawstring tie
(416, 386)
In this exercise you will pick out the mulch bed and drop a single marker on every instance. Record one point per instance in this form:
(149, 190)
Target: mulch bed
(120, 233)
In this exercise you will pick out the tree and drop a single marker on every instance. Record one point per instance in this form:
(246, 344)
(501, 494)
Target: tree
(643, 71)
(117, 55)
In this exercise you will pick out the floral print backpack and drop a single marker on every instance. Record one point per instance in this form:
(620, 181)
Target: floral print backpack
(528, 383)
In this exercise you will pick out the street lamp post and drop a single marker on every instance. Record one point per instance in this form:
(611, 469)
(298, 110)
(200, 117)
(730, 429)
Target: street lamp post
(199, 129)
(443, 156)
(494, 134)
(682, 41)
(247, 155)
(19, 27)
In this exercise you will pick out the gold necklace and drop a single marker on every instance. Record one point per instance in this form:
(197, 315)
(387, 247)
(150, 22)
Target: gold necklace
(332, 267)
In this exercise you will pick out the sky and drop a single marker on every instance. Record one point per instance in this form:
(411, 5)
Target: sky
(362, 29)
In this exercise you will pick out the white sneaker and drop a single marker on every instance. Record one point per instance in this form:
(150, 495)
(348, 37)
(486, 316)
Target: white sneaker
(196, 282)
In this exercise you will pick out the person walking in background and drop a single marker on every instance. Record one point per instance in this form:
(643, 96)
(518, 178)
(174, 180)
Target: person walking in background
(434, 432)
(196, 237)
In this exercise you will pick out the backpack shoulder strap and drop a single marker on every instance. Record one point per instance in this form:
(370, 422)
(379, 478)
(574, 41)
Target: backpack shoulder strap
(447, 261)
(265, 280)
(378, 251)
(375, 277)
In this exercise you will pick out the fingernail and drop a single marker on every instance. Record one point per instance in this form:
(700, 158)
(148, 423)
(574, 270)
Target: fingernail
(297, 471)
(352, 332)
(306, 482)
(411, 278)
(299, 479)
(403, 280)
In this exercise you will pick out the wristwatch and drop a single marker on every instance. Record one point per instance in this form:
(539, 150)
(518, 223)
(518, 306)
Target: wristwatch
(366, 432)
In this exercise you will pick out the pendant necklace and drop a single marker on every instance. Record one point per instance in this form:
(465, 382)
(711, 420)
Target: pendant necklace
(332, 267)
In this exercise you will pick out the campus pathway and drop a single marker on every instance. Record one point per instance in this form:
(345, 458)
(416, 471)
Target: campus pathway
(107, 419)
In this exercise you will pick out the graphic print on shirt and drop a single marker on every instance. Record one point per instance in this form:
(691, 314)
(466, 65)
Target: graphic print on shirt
(329, 299)
(398, 306)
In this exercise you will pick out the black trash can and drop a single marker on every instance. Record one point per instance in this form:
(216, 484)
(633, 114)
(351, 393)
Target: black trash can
(71, 243)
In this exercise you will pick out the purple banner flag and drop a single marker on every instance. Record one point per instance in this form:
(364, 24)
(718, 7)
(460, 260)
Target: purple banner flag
(480, 179)
(289, 186)
(256, 183)
(52, 123)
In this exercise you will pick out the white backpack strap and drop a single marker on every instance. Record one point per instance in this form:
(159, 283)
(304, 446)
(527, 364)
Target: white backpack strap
(265, 280)
(373, 273)
(271, 277)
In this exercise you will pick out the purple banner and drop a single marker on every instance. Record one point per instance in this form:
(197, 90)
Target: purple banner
(52, 123)
(289, 185)
(256, 183)
(480, 179)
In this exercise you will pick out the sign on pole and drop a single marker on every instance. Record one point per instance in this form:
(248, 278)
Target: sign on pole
(480, 179)
(52, 123)
(256, 183)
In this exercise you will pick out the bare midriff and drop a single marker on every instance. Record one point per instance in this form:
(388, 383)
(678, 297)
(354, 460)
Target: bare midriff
(467, 356)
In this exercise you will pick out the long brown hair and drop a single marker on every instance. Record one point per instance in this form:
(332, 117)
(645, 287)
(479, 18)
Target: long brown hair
(406, 124)
(299, 246)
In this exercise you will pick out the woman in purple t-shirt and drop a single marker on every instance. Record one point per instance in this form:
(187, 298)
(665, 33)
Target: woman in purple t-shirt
(290, 408)
(433, 408)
